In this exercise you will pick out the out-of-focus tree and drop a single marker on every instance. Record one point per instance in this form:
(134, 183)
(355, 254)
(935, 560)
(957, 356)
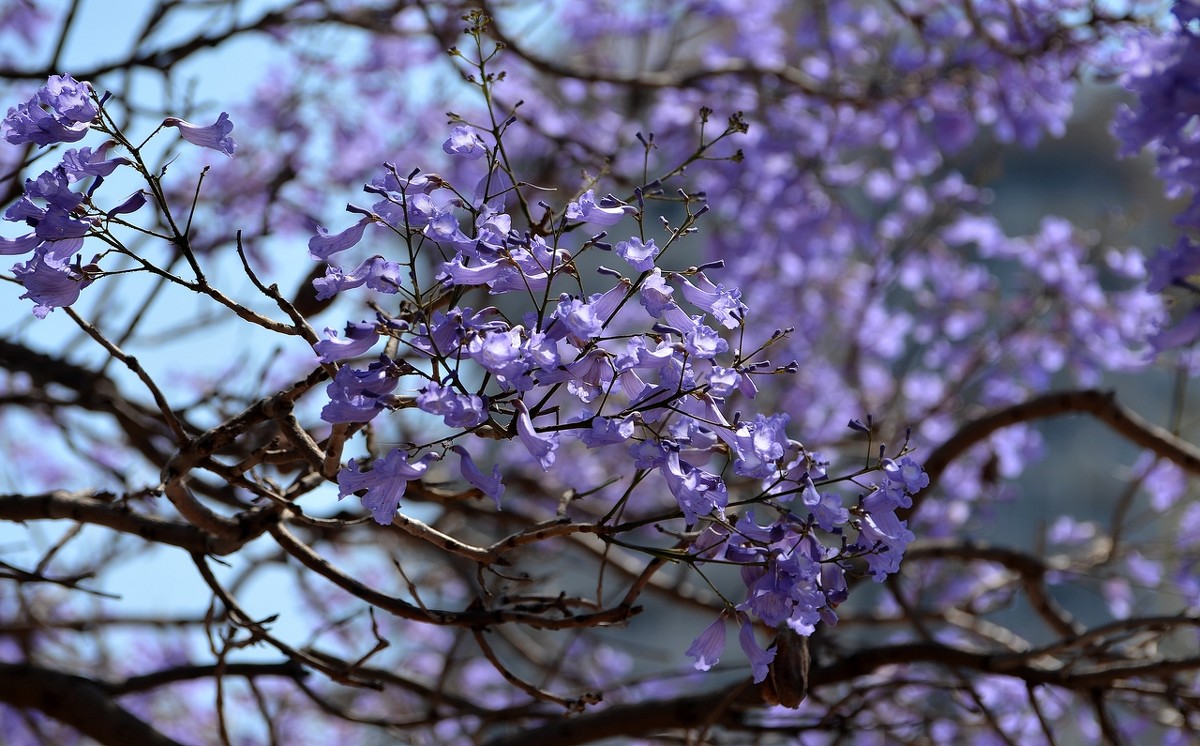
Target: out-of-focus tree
(652, 322)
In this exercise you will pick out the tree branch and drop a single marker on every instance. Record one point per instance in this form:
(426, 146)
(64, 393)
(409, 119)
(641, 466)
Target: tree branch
(1100, 404)
(83, 704)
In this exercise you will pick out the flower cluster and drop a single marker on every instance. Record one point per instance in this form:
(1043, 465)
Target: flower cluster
(639, 369)
(1162, 74)
(59, 216)
(63, 110)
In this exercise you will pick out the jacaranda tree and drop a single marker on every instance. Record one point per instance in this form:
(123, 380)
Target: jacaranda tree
(473, 377)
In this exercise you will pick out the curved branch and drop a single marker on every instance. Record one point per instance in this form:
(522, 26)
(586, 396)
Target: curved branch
(85, 508)
(94, 392)
(1100, 404)
(642, 718)
(308, 557)
(638, 719)
(288, 669)
(1030, 568)
(83, 704)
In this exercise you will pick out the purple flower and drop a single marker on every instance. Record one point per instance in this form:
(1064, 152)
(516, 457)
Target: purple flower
(890, 496)
(322, 246)
(52, 186)
(697, 492)
(50, 283)
(1183, 333)
(606, 430)
(443, 227)
(827, 509)
(885, 538)
(723, 381)
(500, 353)
(649, 454)
(455, 272)
(1146, 572)
(587, 378)
(655, 294)
(20, 245)
(704, 342)
(906, 472)
(723, 303)
(759, 445)
(215, 135)
(577, 320)
(458, 410)
(376, 273)
(358, 395)
(464, 142)
(84, 162)
(358, 339)
(132, 203)
(69, 98)
(833, 584)
(760, 660)
(639, 255)
(1173, 266)
(540, 446)
(608, 211)
(541, 350)
(61, 111)
(57, 224)
(450, 328)
(707, 648)
(491, 486)
(384, 483)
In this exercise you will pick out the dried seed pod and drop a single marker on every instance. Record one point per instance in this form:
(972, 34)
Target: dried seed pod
(787, 678)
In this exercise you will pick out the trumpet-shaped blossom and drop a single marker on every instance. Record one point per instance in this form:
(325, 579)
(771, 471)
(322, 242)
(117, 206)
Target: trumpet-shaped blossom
(490, 485)
(697, 492)
(760, 659)
(606, 430)
(385, 483)
(704, 342)
(50, 283)
(20, 245)
(130, 204)
(709, 645)
(639, 255)
(54, 187)
(359, 395)
(61, 111)
(907, 473)
(214, 136)
(725, 304)
(463, 141)
(577, 320)
(323, 245)
(655, 294)
(376, 273)
(358, 338)
(69, 98)
(542, 446)
(759, 445)
(827, 509)
(458, 410)
(84, 162)
(884, 538)
(608, 211)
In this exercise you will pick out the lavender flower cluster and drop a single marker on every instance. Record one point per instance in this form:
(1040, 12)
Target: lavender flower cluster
(1164, 121)
(60, 217)
(639, 368)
